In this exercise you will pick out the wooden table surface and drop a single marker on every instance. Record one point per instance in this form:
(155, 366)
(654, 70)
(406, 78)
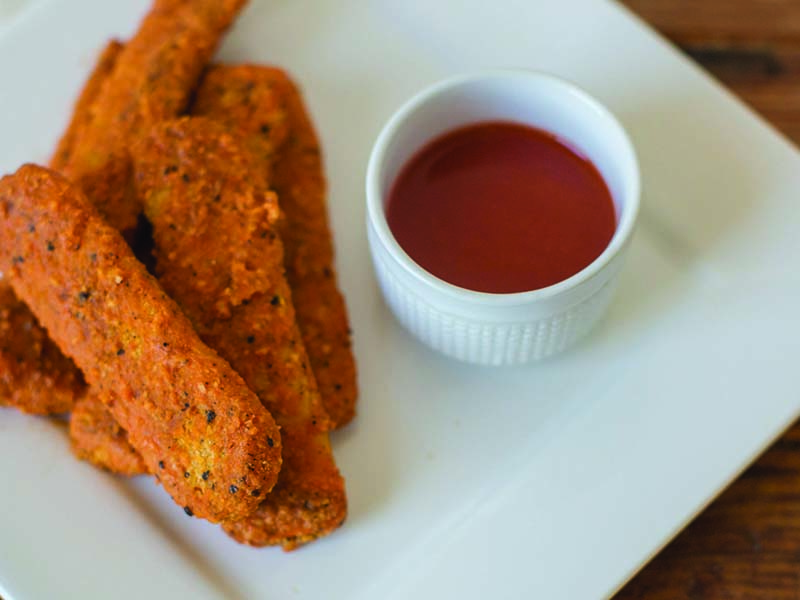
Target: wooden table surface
(746, 545)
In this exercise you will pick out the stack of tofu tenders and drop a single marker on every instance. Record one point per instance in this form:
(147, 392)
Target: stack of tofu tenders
(168, 280)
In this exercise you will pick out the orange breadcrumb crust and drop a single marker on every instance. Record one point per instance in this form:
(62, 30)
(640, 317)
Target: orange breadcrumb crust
(152, 80)
(245, 314)
(304, 507)
(126, 93)
(281, 132)
(91, 426)
(83, 112)
(197, 425)
(218, 255)
(35, 377)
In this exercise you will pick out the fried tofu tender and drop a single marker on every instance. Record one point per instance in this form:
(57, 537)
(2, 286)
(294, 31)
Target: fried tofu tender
(91, 427)
(151, 80)
(217, 253)
(280, 134)
(197, 425)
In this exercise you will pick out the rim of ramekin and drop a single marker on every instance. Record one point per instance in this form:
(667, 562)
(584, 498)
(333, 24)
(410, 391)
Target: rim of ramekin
(376, 212)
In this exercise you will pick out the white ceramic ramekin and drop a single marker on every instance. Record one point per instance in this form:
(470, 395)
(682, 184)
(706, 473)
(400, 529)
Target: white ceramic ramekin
(500, 329)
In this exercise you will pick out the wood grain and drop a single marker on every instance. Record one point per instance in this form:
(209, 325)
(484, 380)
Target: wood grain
(746, 545)
(752, 46)
(729, 21)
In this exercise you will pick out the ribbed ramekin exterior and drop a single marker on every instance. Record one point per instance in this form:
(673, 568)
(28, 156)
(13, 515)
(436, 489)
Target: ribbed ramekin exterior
(484, 342)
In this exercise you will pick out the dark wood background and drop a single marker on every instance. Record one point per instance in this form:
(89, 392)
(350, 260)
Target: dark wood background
(746, 545)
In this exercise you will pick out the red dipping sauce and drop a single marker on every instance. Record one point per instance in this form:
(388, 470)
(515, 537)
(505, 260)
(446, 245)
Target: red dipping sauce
(502, 208)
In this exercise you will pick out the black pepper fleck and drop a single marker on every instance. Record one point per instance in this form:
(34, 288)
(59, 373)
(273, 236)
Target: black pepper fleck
(276, 300)
(186, 474)
(186, 177)
(50, 246)
(161, 464)
(270, 443)
(121, 351)
(84, 295)
(233, 489)
(205, 475)
(188, 511)
(265, 129)
(255, 493)
(210, 416)
(251, 339)
(17, 260)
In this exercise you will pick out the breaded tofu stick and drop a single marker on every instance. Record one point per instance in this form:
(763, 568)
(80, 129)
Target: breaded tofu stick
(152, 80)
(35, 377)
(240, 97)
(83, 112)
(198, 427)
(96, 437)
(218, 255)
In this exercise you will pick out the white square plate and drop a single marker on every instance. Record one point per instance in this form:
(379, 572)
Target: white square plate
(551, 481)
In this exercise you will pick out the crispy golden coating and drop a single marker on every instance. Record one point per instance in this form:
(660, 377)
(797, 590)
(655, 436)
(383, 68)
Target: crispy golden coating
(35, 377)
(218, 255)
(309, 500)
(83, 112)
(250, 106)
(97, 438)
(242, 98)
(128, 91)
(152, 80)
(197, 425)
